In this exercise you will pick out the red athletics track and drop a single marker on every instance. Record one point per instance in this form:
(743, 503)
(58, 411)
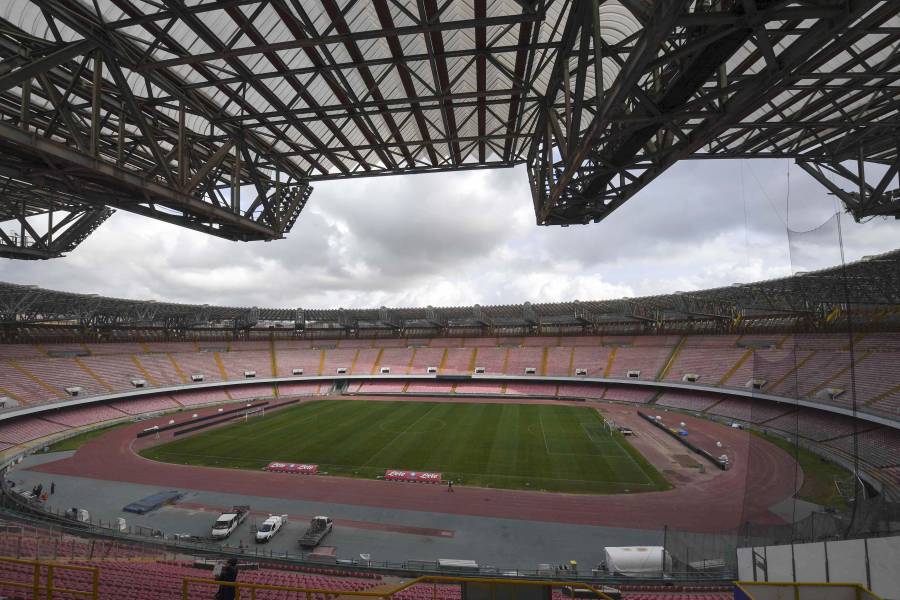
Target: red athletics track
(719, 501)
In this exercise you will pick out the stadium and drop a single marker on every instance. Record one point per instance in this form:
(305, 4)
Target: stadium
(728, 442)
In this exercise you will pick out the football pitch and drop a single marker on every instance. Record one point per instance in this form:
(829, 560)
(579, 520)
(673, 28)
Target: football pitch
(519, 446)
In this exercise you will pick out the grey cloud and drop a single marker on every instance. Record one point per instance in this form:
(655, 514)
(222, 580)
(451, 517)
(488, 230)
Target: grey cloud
(469, 237)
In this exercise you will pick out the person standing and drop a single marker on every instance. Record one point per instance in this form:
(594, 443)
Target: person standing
(229, 573)
(52, 487)
(450, 485)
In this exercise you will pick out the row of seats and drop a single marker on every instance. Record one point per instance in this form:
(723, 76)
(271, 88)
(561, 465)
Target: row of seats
(879, 447)
(27, 429)
(814, 366)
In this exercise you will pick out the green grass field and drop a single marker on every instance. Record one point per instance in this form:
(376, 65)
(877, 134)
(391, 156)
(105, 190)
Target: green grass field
(521, 446)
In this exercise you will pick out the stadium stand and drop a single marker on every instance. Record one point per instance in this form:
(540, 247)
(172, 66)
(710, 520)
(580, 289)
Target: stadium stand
(558, 361)
(339, 358)
(302, 389)
(116, 348)
(805, 366)
(478, 387)
(25, 430)
(398, 360)
(447, 342)
(116, 370)
(436, 387)
(627, 394)
(456, 360)
(160, 370)
(200, 363)
(84, 415)
(524, 358)
(593, 359)
(27, 388)
(381, 387)
(647, 355)
(137, 406)
(202, 396)
(236, 363)
(687, 400)
(249, 345)
(879, 447)
(575, 390)
(751, 411)
(530, 389)
(813, 424)
(492, 359)
(364, 362)
(246, 392)
(711, 357)
(308, 360)
(62, 373)
(426, 357)
(20, 351)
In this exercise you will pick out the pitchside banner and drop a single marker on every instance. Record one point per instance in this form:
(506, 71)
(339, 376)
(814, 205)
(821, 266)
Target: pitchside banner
(414, 476)
(279, 467)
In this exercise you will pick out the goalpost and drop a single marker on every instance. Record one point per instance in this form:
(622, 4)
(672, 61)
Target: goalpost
(255, 412)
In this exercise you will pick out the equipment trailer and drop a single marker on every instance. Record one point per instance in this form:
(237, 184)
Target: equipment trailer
(319, 527)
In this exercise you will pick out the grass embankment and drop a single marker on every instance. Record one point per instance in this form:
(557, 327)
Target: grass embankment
(819, 474)
(77, 441)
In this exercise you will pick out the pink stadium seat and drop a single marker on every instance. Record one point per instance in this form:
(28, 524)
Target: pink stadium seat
(396, 359)
(203, 363)
(86, 415)
(426, 357)
(298, 358)
(237, 362)
(580, 390)
(812, 424)
(390, 386)
(136, 406)
(523, 358)
(623, 393)
(245, 392)
(203, 396)
(25, 430)
(302, 388)
(478, 387)
(696, 401)
(457, 360)
(437, 387)
(530, 389)
(648, 355)
(491, 359)
(711, 357)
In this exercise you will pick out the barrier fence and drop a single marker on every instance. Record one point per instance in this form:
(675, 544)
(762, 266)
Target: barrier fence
(42, 579)
(476, 588)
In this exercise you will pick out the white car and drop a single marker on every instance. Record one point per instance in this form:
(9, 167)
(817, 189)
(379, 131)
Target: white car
(270, 527)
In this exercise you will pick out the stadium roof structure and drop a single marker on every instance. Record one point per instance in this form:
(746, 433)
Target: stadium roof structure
(219, 115)
(811, 299)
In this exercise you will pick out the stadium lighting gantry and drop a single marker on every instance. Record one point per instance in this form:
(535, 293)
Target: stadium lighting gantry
(220, 115)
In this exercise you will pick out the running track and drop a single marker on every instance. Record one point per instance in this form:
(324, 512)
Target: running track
(711, 504)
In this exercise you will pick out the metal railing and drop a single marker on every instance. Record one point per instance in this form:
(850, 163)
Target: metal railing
(43, 579)
(802, 591)
(247, 591)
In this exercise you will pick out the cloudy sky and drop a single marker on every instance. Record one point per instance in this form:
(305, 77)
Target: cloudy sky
(465, 238)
